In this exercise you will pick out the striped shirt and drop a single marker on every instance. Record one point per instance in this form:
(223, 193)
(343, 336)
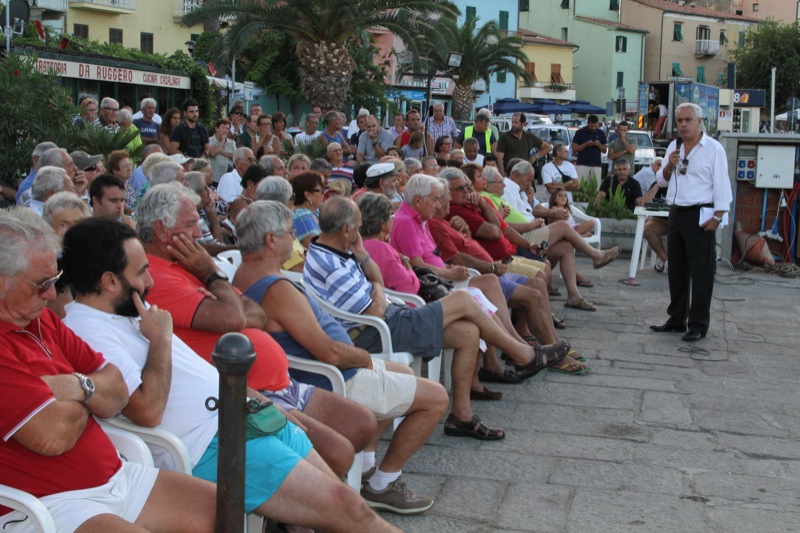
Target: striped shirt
(336, 277)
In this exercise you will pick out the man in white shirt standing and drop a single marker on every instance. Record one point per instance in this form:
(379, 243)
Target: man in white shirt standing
(699, 192)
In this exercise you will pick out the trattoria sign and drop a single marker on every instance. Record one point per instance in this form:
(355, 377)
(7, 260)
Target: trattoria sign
(90, 71)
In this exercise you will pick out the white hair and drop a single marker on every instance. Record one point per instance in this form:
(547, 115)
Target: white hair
(22, 231)
(164, 172)
(161, 203)
(259, 219)
(274, 188)
(147, 101)
(50, 179)
(421, 185)
(61, 201)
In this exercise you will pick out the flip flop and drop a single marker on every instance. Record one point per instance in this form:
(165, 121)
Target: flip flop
(659, 266)
(608, 256)
(583, 305)
(554, 292)
(630, 282)
(564, 368)
(580, 357)
(585, 283)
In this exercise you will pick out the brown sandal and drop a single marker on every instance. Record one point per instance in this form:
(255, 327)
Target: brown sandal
(544, 356)
(474, 428)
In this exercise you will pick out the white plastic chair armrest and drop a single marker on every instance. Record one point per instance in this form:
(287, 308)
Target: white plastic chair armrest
(26, 503)
(157, 437)
(234, 257)
(333, 374)
(130, 446)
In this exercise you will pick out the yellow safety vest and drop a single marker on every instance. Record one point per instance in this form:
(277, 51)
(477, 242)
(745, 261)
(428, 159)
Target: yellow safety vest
(488, 134)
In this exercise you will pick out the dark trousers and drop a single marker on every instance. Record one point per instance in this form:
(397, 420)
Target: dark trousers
(692, 265)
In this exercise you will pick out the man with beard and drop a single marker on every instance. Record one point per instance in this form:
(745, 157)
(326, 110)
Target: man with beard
(189, 138)
(381, 179)
(168, 384)
(519, 143)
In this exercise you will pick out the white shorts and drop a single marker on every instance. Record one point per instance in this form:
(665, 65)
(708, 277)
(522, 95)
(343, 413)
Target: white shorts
(124, 495)
(387, 394)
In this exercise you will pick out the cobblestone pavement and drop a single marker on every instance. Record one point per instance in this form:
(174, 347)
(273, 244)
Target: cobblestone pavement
(655, 439)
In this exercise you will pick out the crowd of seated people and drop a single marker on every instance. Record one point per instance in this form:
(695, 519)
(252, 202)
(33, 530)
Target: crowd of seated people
(112, 300)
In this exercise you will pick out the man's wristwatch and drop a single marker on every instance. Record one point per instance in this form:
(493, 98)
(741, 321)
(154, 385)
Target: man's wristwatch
(219, 274)
(718, 219)
(87, 385)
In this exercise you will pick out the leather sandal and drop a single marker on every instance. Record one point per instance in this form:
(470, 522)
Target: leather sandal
(474, 428)
(508, 375)
(608, 256)
(485, 394)
(544, 356)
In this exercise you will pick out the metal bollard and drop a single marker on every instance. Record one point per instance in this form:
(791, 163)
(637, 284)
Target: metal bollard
(233, 356)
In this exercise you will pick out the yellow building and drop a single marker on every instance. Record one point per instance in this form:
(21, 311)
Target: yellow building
(149, 25)
(550, 67)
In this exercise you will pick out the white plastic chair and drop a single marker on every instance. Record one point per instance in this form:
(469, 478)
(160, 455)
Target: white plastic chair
(129, 446)
(581, 217)
(177, 452)
(226, 267)
(234, 257)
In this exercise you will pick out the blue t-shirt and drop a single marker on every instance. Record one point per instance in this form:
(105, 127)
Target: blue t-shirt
(589, 156)
(146, 129)
(329, 325)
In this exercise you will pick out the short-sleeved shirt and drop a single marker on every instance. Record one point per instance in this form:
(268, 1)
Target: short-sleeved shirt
(305, 223)
(47, 347)
(191, 141)
(499, 249)
(180, 293)
(193, 380)
(450, 242)
(591, 155)
(365, 147)
(631, 189)
(646, 177)
(147, 130)
(511, 147)
(412, 238)
(618, 146)
(447, 127)
(219, 163)
(394, 273)
(559, 174)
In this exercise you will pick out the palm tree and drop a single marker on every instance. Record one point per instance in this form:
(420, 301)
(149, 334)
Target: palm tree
(486, 50)
(324, 31)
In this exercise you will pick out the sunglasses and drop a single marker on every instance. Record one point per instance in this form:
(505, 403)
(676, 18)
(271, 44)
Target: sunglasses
(44, 286)
(684, 167)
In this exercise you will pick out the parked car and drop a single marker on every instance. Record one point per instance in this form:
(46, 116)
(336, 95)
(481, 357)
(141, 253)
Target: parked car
(553, 134)
(572, 122)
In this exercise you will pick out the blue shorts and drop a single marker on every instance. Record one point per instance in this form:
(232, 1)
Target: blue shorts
(509, 282)
(268, 461)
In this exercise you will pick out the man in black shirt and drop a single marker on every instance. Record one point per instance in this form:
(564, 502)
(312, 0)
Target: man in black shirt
(630, 188)
(189, 138)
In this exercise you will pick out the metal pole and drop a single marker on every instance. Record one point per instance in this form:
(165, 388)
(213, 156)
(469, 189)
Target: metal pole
(772, 103)
(428, 112)
(8, 27)
(233, 356)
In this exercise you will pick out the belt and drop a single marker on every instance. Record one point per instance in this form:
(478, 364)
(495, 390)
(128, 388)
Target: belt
(680, 208)
(356, 331)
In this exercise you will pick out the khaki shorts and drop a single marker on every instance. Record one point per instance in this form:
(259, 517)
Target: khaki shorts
(387, 394)
(526, 267)
(536, 236)
(658, 224)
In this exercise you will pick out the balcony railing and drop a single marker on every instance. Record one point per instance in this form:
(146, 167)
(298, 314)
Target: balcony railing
(185, 6)
(706, 48)
(551, 87)
(49, 5)
(108, 6)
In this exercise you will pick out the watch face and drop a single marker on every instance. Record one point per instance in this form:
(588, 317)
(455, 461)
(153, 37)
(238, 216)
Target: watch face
(89, 384)
(222, 274)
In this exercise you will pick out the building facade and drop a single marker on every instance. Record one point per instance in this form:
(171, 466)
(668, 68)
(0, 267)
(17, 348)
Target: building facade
(549, 66)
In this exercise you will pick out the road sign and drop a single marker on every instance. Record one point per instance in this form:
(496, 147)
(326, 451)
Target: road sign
(248, 90)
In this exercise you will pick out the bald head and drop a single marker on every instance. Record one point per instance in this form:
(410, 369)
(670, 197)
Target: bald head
(336, 213)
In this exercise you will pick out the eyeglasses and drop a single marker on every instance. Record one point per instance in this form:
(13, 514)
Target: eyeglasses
(44, 286)
(684, 167)
(462, 188)
(111, 108)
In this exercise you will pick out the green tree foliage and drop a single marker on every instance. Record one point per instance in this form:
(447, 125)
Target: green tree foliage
(35, 109)
(771, 44)
(368, 88)
(486, 50)
(269, 61)
(325, 31)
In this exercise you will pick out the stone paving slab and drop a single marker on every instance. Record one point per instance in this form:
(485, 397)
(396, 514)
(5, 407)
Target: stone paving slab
(653, 440)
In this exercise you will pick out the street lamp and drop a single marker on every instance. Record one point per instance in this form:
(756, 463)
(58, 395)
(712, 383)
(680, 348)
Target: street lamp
(406, 57)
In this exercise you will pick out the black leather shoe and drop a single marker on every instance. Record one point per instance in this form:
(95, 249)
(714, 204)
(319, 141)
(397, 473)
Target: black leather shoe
(669, 326)
(692, 336)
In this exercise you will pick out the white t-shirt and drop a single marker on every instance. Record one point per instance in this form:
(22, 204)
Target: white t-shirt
(156, 117)
(306, 138)
(513, 196)
(551, 174)
(478, 160)
(230, 186)
(193, 379)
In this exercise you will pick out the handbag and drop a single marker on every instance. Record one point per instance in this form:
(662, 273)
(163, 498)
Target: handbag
(432, 286)
(263, 419)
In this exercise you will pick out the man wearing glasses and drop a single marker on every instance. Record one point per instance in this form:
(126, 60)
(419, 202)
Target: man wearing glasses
(699, 192)
(109, 111)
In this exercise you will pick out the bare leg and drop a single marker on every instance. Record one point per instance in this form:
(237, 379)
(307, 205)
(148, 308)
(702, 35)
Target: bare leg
(309, 497)
(654, 240)
(427, 409)
(177, 503)
(462, 336)
(563, 252)
(562, 231)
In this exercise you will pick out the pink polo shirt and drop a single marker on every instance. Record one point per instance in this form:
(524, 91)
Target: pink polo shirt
(412, 238)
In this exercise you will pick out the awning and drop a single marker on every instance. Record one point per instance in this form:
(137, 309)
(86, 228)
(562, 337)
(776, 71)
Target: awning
(220, 83)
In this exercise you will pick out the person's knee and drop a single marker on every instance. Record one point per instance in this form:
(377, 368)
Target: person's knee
(462, 334)
(432, 396)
